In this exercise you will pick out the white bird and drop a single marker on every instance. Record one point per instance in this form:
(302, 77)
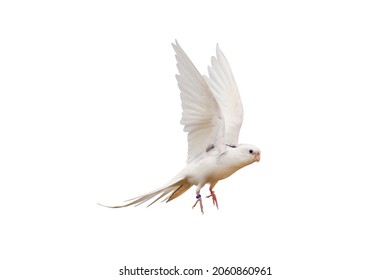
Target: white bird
(212, 116)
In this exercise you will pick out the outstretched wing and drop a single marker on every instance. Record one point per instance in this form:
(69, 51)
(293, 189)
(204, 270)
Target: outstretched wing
(224, 88)
(202, 117)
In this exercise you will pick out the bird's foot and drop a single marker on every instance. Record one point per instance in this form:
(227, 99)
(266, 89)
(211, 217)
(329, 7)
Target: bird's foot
(199, 199)
(215, 201)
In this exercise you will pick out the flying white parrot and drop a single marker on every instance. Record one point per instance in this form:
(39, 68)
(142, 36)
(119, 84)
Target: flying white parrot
(212, 116)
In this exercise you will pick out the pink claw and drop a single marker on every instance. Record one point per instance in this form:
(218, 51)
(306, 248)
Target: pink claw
(199, 199)
(215, 201)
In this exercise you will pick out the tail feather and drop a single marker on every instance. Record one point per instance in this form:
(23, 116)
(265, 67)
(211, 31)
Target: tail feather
(178, 192)
(171, 191)
(164, 193)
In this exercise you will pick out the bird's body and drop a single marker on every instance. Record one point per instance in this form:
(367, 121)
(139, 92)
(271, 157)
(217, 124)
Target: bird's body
(213, 167)
(217, 166)
(212, 116)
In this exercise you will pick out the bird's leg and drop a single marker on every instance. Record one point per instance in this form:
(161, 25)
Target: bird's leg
(199, 199)
(212, 194)
(215, 201)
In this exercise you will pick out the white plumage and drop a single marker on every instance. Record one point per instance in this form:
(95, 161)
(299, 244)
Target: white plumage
(212, 117)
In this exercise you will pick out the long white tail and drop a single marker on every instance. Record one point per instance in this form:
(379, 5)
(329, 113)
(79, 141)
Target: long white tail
(170, 192)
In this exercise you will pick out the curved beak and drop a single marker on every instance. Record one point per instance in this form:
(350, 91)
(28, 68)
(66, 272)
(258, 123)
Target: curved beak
(257, 157)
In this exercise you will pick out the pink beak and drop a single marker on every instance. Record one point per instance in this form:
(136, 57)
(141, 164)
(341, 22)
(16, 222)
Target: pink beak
(257, 157)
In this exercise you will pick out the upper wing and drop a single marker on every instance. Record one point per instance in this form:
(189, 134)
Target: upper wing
(224, 88)
(202, 117)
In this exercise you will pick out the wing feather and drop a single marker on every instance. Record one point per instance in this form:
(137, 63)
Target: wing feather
(224, 88)
(202, 117)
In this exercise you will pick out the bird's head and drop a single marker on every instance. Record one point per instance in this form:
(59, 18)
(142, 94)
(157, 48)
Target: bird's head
(249, 153)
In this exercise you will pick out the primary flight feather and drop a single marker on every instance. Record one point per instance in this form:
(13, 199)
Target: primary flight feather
(212, 117)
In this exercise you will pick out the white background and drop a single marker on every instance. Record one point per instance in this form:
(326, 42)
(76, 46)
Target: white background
(90, 110)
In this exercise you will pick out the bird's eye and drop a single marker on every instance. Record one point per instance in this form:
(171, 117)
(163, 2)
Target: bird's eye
(251, 151)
